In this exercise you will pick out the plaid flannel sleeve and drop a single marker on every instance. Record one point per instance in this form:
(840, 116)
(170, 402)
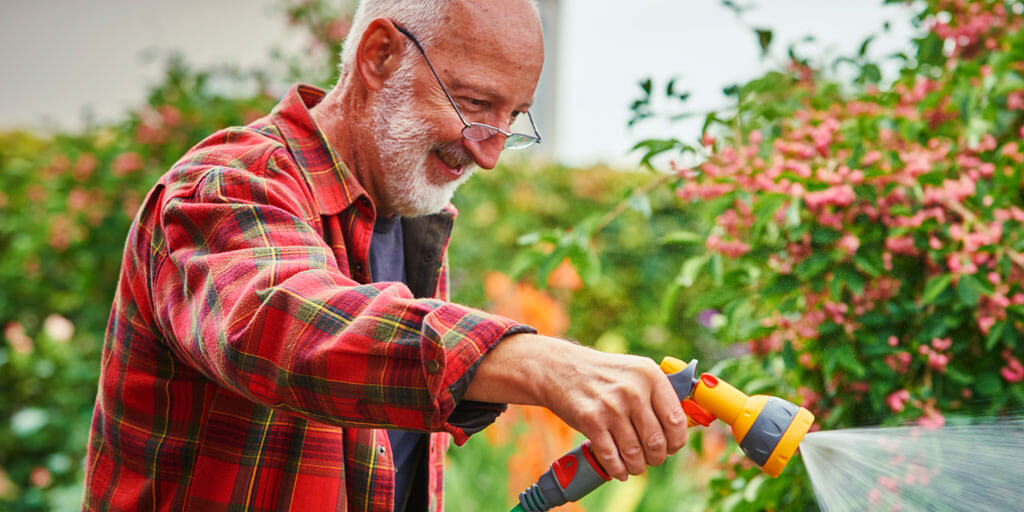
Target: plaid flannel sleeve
(249, 294)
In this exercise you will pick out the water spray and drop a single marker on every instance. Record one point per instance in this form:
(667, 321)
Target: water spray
(768, 430)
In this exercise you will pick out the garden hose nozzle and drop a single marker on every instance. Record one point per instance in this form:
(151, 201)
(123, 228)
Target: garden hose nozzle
(768, 430)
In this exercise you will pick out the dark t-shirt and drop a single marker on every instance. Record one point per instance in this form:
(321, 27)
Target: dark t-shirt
(387, 263)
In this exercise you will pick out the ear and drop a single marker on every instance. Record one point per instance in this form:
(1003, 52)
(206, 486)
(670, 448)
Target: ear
(379, 53)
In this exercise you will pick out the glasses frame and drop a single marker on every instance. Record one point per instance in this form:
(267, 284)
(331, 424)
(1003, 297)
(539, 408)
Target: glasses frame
(513, 140)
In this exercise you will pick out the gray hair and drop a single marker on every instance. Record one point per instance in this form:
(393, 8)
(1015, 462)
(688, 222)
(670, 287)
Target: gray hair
(421, 17)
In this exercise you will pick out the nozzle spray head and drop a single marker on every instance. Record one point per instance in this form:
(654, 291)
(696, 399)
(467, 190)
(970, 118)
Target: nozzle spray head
(768, 429)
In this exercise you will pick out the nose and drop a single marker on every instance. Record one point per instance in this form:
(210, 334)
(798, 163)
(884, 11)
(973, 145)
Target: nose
(486, 152)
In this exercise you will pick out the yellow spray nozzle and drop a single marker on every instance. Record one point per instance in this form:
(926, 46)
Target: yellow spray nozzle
(768, 429)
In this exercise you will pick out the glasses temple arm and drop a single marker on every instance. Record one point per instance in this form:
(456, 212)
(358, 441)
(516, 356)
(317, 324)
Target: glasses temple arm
(432, 70)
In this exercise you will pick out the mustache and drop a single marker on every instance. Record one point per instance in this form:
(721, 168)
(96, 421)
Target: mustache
(456, 153)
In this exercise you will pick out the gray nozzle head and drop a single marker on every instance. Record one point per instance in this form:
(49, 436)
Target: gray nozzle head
(684, 380)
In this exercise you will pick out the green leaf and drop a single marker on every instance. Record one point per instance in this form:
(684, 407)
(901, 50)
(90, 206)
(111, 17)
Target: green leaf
(789, 356)
(863, 50)
(846, 359)
(935, 287)
(813, 265)
(969, 290)
(764, 39)
(781, 285)
(689, 270)
(870, 73)
(863, 263)
(682, 237)
(988, 384)
(959, 376)
(852, 278)
(994, 335)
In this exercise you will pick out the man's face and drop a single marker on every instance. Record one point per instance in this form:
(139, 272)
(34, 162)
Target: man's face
(489, 58)
(419, 168)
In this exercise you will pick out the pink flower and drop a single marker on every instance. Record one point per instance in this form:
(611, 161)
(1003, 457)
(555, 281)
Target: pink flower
(897, 400)
(901, 245)
(84, 166)
(848, 244)
(870, 158)
(806, 360)
(893, 341)
(932, 419)
(338, 29)
(1013, 371)
(17, 339)
(1015, 100)
(840, 196)
(40, 477)
(941, 344)
(938, 361)
(809, 398)
(985, 323)
(126, 163)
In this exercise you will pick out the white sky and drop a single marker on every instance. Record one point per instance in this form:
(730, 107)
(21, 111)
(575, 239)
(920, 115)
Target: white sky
(64, 57)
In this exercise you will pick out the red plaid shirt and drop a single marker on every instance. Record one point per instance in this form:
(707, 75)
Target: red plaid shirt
(248, 365)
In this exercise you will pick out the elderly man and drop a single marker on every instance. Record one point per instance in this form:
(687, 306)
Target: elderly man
(280, 338)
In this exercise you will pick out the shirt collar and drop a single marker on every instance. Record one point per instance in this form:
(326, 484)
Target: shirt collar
(334, 186)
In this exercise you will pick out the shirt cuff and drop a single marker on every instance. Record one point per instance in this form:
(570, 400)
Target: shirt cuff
(469, 416)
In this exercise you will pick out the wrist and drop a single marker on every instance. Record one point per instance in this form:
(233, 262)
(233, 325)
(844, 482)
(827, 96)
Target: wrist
(518, 370)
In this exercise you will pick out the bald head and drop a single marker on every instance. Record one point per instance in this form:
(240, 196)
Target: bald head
(432, 20)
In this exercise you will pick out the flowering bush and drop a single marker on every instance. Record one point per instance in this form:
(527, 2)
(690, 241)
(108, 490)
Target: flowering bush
(866, 240)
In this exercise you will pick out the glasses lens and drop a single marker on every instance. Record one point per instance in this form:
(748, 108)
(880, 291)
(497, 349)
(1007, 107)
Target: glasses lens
(519, 141)
(478, 132)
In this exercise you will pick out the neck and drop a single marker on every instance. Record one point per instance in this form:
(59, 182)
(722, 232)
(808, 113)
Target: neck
(343, 116)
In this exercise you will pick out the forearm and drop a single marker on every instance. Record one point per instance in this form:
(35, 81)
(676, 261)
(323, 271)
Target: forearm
(516, 370)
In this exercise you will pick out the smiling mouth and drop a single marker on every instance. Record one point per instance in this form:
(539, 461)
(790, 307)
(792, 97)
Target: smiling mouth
(450, 160)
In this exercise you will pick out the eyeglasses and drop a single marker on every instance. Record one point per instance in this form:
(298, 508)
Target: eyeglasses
(478, 132)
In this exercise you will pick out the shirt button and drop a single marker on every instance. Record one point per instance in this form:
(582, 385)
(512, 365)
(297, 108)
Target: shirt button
(433, 366)
(358, 267)
(381, 450)
(428, 257)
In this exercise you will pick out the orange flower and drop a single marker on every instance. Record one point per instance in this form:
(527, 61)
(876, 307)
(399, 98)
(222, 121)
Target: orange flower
(565, 277)
(524, 303)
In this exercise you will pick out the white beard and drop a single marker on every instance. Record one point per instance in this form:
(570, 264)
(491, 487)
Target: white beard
(404, 144)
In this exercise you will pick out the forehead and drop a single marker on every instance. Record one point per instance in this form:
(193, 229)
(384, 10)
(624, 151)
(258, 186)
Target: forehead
(493, 45)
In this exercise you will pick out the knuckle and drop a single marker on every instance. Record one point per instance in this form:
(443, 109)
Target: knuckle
(677, 417)
(655, 442)
(632, 449)
(680, 443)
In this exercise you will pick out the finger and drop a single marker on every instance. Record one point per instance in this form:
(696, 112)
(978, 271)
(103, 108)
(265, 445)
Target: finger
(630, 449)
(652, 437)
(603, 446)
(671, 417)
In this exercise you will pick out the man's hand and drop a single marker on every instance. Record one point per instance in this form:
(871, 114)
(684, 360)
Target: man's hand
(623, 403)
